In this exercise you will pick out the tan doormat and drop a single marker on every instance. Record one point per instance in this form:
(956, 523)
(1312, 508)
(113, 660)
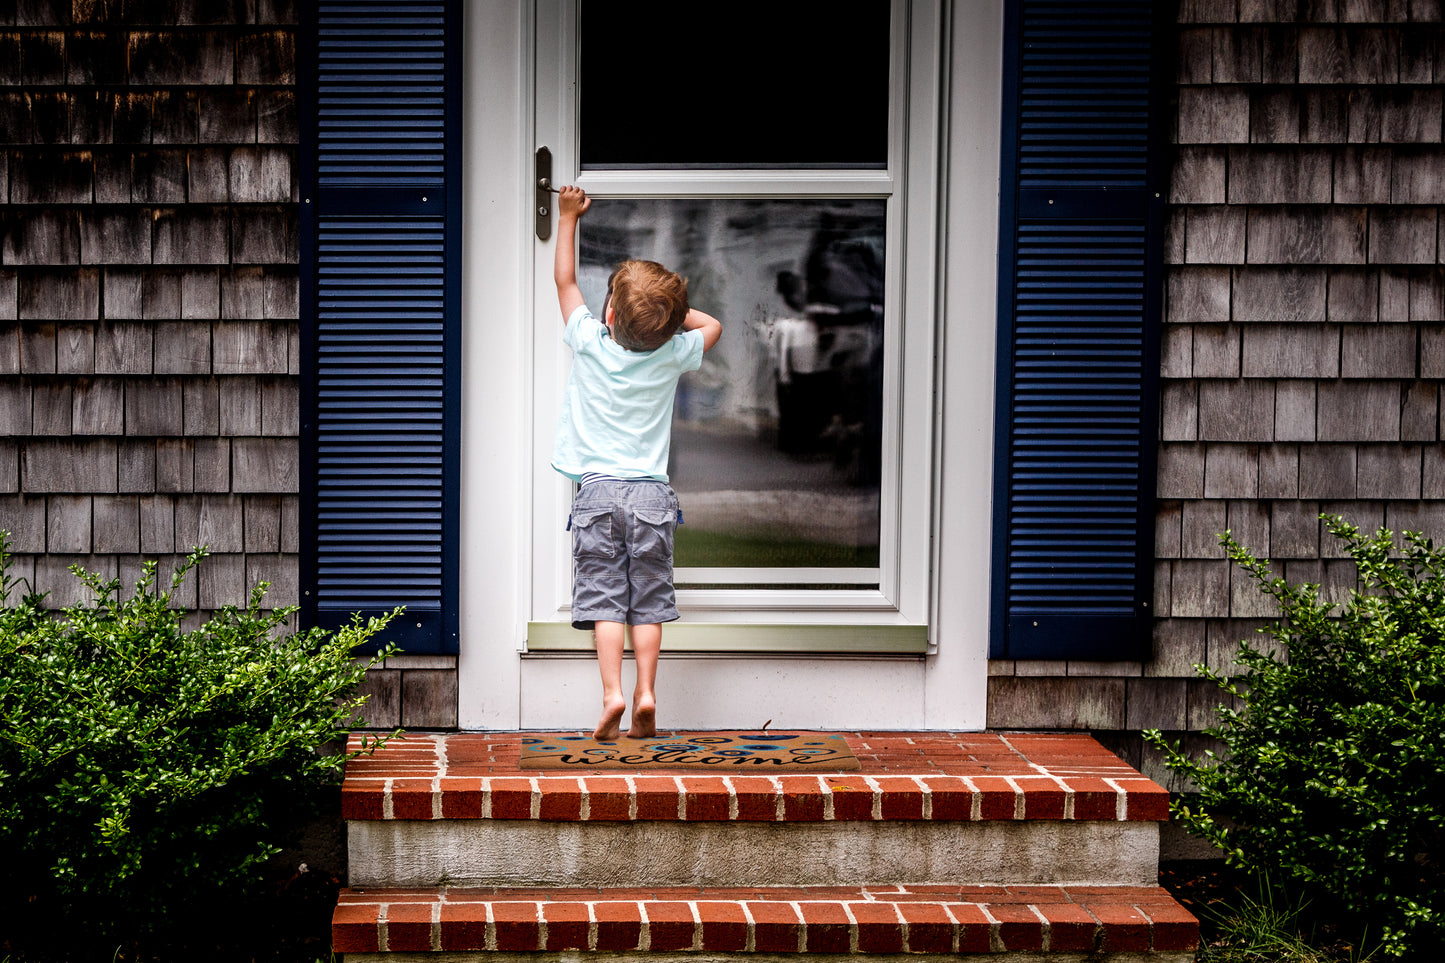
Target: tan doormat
(730, 753)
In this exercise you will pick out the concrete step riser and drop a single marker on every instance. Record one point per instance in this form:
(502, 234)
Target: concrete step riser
(525, 853)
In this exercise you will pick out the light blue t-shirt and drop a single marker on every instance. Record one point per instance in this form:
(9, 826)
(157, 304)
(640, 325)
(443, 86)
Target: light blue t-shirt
(617, 411)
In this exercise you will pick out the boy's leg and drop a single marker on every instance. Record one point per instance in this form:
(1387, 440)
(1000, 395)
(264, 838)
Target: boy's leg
(646, 644)
(609, 637)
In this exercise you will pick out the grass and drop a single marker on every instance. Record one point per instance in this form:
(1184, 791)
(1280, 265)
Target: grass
(694, 547)
(1256, 920)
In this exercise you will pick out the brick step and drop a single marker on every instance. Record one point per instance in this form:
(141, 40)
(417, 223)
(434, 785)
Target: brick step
(927, 807)
(754, 923)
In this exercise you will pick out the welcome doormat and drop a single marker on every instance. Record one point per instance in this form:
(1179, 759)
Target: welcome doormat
(726, 753)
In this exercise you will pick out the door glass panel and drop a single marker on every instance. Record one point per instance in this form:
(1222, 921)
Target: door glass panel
(748, 83)
(776, 444)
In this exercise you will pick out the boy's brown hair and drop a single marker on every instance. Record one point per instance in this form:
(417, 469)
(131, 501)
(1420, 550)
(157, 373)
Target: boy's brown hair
(649, 304)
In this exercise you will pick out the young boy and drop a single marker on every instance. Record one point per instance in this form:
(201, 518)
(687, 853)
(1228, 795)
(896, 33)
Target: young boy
(613, 437)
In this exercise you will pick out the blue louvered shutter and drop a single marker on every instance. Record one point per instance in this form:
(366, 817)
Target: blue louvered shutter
(380, 305)
(1080, 294)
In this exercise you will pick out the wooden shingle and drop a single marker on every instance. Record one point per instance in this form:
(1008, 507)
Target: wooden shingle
(1197, 294)
(1362, 175)
(1236, 410)
(1200, 525)
(1388, 471)
(1359, 411)
(1181, 471)
(1274, 115)
(115, 524)
(1403, 235)
(211, 520)
(1300, 175)
(1199, 589)
(157, 524)
(1231, 471)
(98, 406)
(56, 465)
(1306, 235)
(1214, 235)
(1216, 351)
(1278, 470)
(1354, 295)
(1378, 351)
(1420, 414)
(1290, 351)
(24, 517)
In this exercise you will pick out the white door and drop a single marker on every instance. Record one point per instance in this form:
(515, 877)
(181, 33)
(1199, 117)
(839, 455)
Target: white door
(791, 172)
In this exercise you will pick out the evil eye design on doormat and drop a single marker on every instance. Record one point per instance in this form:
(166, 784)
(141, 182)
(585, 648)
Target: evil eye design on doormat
(770, 736)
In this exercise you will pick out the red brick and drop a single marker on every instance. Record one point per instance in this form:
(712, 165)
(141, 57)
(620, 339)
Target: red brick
(827, 927)
(1175, 928)
(852, 797)
(802, 799)
(408, 926)
(511, 798)
(757, 799)
(608, 798)
(706, 798)
(516, 925)
(361, 800)
(724, 927)
(879, 929)
(776, 927)
(1093, 798)
(566, 925)
(353, 928)
(461, 798)
(976, 936)
(561, 799)
(998, 797)
(1071, 928)
(951, 798)
(1125, 928)
(902, 798)
(411, 799)
(656, 797)
(619, 926)
(1043, 798)
(1146, 800)
(930, 928)
(1018, 927)
(464, 926)
(670, 925)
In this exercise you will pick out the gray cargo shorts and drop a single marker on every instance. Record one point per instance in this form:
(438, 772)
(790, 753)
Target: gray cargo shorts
(622, 553)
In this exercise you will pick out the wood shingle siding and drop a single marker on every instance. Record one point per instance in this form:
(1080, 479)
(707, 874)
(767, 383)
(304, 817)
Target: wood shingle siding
(1303, 339)
(148, 292)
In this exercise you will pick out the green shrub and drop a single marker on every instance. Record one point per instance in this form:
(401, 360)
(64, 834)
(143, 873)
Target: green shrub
(1333, 765)
(148, 772)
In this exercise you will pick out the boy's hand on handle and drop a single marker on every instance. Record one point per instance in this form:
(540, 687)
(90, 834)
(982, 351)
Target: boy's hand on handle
(572, 201)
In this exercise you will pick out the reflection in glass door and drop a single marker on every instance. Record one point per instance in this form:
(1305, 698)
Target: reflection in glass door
(776, 448)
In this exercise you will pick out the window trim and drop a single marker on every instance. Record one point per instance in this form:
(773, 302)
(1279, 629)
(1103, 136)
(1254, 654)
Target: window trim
(911, 186)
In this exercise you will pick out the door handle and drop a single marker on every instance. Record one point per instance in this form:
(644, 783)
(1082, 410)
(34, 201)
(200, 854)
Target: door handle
(542, 185)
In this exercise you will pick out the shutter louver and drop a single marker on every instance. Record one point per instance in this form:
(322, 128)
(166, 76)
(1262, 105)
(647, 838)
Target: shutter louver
(380, 303)
(1080, 249)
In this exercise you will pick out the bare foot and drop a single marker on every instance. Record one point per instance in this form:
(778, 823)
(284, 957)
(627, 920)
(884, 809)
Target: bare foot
(644, 721)
(610, 725)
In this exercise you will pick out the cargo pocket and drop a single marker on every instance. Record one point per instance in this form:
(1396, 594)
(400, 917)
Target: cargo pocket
(592, 533)
(652, 532)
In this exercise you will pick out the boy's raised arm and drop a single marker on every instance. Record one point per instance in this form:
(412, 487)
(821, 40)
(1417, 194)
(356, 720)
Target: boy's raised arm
(710, 326)
(572, 203)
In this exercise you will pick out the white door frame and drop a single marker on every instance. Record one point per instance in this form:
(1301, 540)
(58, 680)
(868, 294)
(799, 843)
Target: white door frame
(500, 686)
